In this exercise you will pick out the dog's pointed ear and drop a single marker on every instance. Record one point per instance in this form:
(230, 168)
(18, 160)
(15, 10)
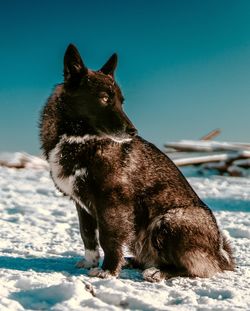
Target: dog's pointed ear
(74, 67)
(110, 66)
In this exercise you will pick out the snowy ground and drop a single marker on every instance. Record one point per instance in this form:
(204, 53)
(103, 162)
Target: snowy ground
(40, 244)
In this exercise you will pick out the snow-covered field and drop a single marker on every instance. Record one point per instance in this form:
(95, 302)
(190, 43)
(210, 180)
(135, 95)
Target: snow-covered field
(40, 244)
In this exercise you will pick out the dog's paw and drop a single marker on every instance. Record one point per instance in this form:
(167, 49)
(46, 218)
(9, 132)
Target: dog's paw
(153, 275)
(91, 259)
(103, 274)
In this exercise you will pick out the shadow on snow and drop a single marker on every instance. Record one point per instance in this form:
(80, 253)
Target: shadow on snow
(55, 264)
(59, 264)
(228, 204)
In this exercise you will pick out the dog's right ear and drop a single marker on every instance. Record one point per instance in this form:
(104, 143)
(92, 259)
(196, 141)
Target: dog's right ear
(109, 67)
(74, 67)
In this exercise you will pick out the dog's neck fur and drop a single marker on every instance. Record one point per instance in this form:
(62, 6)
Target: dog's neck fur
(62, 127)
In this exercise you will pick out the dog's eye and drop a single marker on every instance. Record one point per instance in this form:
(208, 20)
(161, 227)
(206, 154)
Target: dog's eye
(104, 98)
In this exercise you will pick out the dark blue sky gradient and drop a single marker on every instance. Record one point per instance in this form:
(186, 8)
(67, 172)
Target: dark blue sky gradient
(184, 66)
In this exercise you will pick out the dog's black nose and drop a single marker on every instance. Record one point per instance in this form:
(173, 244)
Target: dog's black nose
(132, 131)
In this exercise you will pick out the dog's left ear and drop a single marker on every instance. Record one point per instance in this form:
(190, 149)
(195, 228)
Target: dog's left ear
(110, 66)
(74, 67)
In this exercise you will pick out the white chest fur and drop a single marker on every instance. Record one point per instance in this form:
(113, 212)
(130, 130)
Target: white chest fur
(65, 184)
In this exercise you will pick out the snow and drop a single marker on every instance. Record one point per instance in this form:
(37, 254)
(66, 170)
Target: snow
(40, 245)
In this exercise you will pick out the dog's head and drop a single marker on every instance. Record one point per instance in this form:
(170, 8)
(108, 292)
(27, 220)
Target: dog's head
(93, 97)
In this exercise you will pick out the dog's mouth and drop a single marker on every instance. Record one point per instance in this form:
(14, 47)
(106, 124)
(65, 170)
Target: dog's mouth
(119, 134)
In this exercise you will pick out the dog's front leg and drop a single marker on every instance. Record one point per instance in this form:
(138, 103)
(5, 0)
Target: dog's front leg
(88, 230)
(114, 233)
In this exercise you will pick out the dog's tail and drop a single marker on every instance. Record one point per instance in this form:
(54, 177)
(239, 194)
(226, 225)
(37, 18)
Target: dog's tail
(226, 255)
(183, 254)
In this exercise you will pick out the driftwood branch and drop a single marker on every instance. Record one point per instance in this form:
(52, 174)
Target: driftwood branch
(225, 158)
(235, 165)
(206, 146)
(211, 135)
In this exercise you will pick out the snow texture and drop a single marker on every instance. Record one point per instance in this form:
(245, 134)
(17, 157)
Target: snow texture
(40, 245)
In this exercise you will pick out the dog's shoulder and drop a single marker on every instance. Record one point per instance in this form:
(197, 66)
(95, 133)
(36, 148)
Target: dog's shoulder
(153, 156)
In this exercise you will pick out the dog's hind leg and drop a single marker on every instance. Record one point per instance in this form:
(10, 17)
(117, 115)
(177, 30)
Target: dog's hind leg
(88, 230)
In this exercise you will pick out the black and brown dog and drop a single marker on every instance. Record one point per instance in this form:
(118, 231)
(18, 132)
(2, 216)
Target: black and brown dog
(127, 192)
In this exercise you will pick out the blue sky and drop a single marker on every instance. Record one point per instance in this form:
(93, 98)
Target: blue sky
(184, 66)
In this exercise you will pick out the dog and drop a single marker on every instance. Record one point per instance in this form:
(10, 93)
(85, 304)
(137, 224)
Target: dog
(126, 191)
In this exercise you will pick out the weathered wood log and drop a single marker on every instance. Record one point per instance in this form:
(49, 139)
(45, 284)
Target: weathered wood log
(211, 135)
(231, 164)
(200, 160)
(245, 163)
(206, 146)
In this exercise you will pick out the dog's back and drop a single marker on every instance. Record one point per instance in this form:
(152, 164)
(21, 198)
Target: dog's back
(123, 186)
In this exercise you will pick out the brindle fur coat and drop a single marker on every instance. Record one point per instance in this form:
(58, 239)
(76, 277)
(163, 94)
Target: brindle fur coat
(127, 192)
